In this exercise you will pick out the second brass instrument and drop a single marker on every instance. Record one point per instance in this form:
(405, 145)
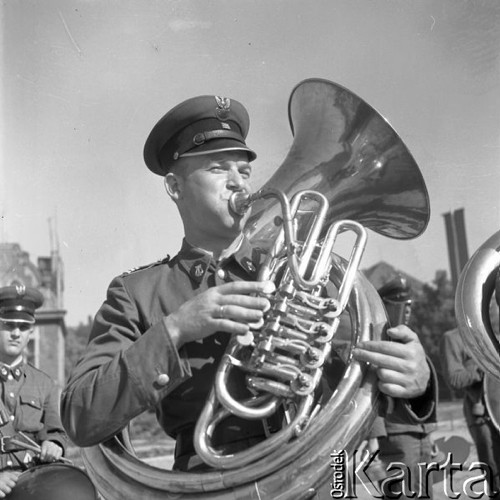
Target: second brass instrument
(473, 297)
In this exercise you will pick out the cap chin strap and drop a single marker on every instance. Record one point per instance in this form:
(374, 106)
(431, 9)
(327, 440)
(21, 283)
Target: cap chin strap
(202, 137)
(221, 150)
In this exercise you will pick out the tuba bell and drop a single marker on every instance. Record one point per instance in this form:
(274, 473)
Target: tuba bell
(473, 301)
(347, 169)
(474, 309)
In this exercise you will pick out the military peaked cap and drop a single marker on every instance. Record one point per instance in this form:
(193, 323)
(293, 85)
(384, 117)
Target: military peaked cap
(197, 126)
(396, 290)
(18, 303)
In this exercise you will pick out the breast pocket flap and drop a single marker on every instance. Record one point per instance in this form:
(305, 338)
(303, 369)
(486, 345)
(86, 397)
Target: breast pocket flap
(33, 401)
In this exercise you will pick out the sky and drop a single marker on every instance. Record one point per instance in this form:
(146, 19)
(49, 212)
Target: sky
(84, 81)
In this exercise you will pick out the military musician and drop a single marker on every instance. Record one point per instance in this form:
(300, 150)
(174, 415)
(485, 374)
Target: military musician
(163, 328)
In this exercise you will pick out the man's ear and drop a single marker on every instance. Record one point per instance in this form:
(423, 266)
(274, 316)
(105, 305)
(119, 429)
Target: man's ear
(173, 185)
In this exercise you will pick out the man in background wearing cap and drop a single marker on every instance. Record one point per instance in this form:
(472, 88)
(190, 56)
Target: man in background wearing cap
(397, 439)
(29, 407)
(159, 336)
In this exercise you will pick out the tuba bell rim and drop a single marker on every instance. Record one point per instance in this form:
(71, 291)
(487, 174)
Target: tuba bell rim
(424, 222)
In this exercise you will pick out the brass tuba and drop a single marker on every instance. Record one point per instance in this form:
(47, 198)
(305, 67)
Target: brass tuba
(473, 297)
(346, 154)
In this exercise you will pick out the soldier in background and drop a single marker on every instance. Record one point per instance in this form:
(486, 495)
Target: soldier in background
(399, 440)
(463, 374)
(30, 427)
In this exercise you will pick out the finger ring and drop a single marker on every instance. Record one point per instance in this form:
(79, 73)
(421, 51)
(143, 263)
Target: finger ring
(221, 312)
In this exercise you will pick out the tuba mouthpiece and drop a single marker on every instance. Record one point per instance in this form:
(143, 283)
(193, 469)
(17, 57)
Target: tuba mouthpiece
(240, 202)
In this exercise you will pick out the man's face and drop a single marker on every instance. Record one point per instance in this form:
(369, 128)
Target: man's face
(207, 182)
(14, 336)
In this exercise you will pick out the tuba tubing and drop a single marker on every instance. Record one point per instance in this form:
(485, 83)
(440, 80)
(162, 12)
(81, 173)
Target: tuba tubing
(119, 475)
(272, 359)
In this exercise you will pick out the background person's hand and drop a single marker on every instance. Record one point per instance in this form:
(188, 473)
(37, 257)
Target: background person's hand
(401, 366)
(50, 452)
(227, 308)
(8, 479)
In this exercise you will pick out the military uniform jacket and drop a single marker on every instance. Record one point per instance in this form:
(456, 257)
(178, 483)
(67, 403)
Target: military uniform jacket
(31, 404)
(131, 364)
(459, 369)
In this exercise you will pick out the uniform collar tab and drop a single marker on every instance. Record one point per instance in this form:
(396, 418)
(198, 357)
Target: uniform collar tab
(195, 261)
(15, 371)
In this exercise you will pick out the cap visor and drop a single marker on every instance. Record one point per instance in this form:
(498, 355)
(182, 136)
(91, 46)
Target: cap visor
(17, 317)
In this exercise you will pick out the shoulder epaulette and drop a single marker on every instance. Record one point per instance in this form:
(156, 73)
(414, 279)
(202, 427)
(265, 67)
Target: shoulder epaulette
(147, 266)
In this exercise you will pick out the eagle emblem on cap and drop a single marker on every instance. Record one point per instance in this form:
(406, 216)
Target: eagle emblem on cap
(223, 107)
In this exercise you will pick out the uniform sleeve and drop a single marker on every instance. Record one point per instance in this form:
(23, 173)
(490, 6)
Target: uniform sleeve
(125, 370)
(423, 409)
(419, 410)
(52, 426)
(458, 371)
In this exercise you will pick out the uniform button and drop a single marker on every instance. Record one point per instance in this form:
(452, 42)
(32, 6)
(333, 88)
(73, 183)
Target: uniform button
(221, 273)
(9, 463)
(162, 379)
(11, 394)
(11, 417)
(10, 377)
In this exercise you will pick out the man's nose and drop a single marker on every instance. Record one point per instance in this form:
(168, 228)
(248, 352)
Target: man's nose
(235, 180)
(15, 332)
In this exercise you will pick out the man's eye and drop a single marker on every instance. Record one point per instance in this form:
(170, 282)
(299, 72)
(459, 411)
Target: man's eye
(12, 325)
(245, 174)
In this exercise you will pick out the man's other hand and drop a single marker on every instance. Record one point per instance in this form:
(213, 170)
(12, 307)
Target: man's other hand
(401, 364)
